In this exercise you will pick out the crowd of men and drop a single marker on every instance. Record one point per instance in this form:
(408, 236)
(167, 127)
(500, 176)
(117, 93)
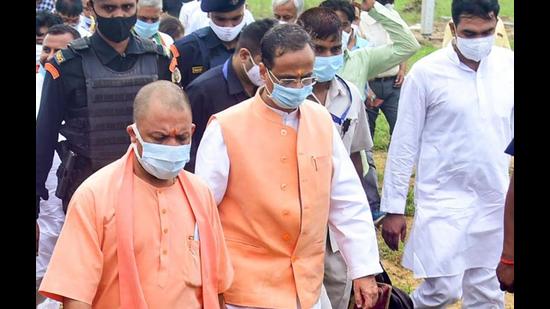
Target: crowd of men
(191, 156)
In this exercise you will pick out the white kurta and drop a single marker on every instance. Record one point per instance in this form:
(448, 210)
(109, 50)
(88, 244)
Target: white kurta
(349, 215)
(454, 124)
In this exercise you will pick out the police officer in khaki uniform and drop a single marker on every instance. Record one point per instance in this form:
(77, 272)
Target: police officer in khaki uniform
(88, 93)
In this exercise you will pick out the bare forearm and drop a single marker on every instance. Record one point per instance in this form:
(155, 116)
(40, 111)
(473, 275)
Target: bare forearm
(508, 247)
(403, 66)
(75, 304)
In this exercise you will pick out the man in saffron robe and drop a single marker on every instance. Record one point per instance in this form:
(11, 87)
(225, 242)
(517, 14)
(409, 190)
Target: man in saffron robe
(141, 232)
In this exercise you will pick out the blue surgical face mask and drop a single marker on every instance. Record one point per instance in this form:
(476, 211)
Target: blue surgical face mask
(289, 98)
(325, 68)
(161, 161)
(146, 30)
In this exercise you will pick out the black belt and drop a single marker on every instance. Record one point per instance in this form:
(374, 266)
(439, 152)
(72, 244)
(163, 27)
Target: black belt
(385, 78)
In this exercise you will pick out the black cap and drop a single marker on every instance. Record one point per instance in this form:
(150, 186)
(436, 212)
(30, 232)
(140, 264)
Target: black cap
(220, 5)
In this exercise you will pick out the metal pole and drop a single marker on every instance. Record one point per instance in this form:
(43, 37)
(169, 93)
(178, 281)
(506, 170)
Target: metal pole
(427, 17)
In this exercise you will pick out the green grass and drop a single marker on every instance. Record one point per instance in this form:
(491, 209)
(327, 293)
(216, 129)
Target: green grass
(423, 51)
(262, 8)
(410, 9)
(381, 133)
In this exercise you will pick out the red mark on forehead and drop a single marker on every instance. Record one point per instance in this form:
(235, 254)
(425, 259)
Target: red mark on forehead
(173, 132)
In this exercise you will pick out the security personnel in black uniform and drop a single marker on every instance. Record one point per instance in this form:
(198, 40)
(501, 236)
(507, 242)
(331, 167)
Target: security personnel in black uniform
(90, 86)
(223, 86)
(210, 46)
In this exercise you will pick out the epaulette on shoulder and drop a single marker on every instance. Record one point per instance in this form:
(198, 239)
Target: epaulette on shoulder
(202, 32)
(149, 46)
(52, 70)
(80, 44)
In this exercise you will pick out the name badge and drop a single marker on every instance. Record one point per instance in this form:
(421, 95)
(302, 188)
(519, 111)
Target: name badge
(197, 69)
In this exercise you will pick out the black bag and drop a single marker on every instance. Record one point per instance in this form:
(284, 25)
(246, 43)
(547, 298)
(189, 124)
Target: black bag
(398, 299)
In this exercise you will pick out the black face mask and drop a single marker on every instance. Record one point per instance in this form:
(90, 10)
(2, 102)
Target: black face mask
(116, 29)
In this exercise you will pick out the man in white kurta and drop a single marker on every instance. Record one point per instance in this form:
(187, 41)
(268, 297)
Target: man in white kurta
(452, 124)
(348, 212)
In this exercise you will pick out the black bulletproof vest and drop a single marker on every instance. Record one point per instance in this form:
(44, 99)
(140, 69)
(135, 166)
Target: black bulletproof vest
(98, 131)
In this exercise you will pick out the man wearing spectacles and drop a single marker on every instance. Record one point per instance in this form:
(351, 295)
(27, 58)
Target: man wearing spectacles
(280, 175)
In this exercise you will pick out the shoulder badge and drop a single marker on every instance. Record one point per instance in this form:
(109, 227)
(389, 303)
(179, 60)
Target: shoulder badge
(59, 58)
(197, 70)
(53, 71)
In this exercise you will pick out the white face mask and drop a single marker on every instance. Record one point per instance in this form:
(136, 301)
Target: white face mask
(254, 74)
(475, 49)
(227, 34)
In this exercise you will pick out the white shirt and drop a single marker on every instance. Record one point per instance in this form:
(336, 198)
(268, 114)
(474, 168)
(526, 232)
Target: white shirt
(357, 137)
(349, 214)
(453, 123)
(375, 33)
(39, 83)
(186, 11)
(82, 30)
(167, 39)
(193, 18)
(38, 52)
(83, 25)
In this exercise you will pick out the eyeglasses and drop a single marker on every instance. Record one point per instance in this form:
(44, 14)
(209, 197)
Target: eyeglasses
(293, 82)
